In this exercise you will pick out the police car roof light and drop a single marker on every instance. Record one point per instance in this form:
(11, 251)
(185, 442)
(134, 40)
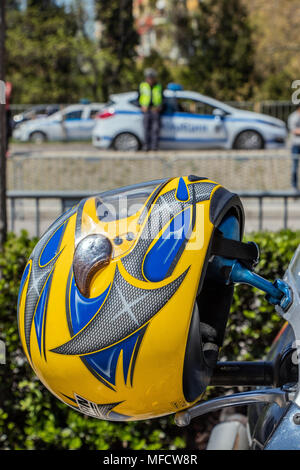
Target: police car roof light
(174, 87)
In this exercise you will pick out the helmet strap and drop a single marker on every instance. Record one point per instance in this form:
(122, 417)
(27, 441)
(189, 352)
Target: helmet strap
(247, 253)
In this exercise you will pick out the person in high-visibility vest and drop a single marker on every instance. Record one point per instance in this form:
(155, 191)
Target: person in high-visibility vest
(151, 101)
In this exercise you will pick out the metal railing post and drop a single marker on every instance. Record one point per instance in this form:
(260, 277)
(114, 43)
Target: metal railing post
(37, 216)
(260, 213)
(13, 213)
(285, 213)
(70, 198)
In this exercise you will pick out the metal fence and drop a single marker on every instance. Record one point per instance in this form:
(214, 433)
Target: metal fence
(42, 185)
(278, 109)
(36, 210)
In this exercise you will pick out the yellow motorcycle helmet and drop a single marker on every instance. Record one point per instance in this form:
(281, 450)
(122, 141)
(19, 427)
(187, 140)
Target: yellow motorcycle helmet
(124, 301)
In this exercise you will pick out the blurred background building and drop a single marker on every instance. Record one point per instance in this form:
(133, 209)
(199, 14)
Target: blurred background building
(154, 24)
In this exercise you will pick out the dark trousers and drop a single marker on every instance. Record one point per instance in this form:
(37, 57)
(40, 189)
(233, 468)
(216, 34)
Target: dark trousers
(151, 129)
(295, 165)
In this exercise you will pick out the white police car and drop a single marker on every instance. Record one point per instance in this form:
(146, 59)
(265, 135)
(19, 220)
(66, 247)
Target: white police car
(189, 121)
(74, 122)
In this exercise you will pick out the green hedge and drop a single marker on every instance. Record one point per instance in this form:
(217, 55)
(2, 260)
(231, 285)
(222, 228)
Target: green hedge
(31, 418)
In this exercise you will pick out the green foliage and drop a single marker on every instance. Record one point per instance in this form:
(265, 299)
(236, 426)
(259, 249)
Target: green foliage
(221, 63)
(253, 322)
(222, 48)
(31, 418)
(275, 86)
(49, 59)
(118, 41)
(119, 34)
(154, 60)
(40, 61)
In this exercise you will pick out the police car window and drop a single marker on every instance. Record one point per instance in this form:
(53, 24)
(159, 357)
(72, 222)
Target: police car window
(94, 113)
(135, 102)
(109, 104)
(186, 105)
(73, 115)
(169, 105)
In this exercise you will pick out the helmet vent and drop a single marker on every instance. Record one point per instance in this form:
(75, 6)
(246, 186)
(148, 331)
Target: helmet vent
(91, 254)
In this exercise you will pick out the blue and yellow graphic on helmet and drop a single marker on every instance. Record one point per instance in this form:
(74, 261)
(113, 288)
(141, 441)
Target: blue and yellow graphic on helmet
(107, 297)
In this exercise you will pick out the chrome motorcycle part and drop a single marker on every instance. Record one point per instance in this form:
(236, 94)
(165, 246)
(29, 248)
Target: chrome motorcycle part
(271, 395)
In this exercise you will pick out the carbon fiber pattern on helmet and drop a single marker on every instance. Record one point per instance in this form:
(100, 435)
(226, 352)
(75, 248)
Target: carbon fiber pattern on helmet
(165, 208)
(202, 190)
(125, 311)
(39, 275)
(98, 411)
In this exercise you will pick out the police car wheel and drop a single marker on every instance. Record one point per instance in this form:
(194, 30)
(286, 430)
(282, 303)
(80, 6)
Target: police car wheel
(126, 142)
(38, 137)
(249, 140)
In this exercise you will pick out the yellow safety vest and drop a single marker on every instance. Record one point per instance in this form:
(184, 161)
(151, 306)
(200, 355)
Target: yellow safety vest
(146, 93)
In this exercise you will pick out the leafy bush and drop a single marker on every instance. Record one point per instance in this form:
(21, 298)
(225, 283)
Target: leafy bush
(31, 418)
(253, 322)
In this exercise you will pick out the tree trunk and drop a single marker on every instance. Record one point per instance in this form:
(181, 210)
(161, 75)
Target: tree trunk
(3, 138)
